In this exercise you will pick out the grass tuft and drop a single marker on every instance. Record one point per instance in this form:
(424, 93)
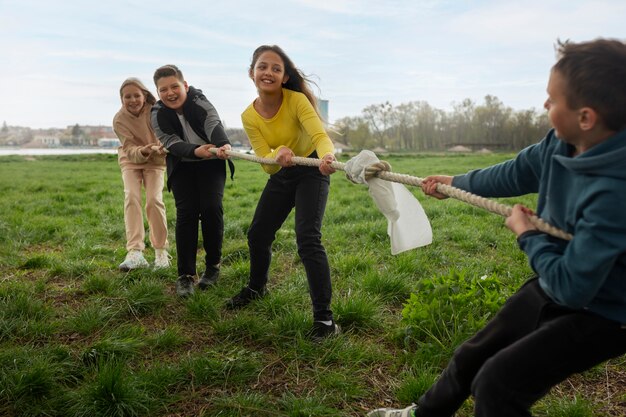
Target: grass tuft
(565, 407)
(111, 393)
(117, 346)
(227, 369)
(358, 312)
(98, 285)
(293, 406)
(416, 383)
(146, 296)
(91, 318)
(241, 404)
(168, 340)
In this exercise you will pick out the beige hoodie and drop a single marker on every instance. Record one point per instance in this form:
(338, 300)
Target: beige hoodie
(136, 132)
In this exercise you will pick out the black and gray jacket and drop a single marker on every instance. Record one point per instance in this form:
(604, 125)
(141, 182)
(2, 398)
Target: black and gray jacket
(202, 118)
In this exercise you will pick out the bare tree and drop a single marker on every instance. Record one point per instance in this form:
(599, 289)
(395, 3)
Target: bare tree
(379, 117)
(354, 131)
(416, 126)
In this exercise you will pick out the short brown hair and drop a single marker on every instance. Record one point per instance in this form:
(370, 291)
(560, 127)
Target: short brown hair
(168, 71)
(595, 73)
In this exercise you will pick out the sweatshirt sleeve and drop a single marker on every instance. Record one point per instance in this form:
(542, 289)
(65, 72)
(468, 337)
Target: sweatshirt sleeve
(129, 144)
(573, 273)
(515, 177)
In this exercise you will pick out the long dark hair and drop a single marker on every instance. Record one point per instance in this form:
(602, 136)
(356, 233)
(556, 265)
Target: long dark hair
(297, 81)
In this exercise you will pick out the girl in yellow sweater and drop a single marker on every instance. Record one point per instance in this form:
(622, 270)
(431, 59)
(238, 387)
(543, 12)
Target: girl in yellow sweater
(142, 163)
(282, 122)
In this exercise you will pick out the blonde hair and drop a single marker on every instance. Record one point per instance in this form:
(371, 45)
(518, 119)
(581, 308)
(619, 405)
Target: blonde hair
(135, 81)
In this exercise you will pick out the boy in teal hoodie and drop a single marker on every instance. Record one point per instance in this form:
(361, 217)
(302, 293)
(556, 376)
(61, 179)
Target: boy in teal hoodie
(572, 315)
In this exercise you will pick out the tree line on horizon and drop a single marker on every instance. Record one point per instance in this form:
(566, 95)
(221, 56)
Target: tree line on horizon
(416, 126)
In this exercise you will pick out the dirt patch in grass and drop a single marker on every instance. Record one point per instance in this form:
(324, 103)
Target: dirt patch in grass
(604, 386)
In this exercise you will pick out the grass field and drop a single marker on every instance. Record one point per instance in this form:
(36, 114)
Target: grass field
(80, 338)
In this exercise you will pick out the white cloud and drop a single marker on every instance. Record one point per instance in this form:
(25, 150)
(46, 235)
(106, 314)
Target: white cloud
(62, 62)
(535, 21)
(375, 8)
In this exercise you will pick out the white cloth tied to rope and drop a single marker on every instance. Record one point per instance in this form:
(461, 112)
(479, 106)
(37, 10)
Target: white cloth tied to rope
(407, 224)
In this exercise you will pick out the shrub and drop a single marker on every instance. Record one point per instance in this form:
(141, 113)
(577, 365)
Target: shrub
(447, 309)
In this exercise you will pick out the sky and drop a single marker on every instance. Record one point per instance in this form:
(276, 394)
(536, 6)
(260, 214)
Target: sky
(62, 62)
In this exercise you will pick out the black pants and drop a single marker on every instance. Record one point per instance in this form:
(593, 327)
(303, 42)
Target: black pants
(198, 189)
(306, 189)
(531, 345)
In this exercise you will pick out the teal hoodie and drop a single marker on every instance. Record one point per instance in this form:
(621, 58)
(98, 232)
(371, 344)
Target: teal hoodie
(584, 195)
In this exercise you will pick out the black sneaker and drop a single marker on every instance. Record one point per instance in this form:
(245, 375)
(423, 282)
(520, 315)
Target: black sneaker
(245, 296)
(321, 331)
(184, 286)
(209, 278)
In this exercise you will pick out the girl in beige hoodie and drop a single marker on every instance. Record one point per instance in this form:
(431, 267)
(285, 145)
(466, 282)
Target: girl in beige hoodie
(142, 160)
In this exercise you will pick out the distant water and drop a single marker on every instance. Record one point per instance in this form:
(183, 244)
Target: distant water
(55, 151)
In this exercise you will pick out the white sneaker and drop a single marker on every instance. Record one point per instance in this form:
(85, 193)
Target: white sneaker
(134, 259)
(393, 412)
(161, 258)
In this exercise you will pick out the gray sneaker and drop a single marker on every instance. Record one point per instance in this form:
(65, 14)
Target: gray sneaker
(184, 286)
(209, 278)
(393, 412)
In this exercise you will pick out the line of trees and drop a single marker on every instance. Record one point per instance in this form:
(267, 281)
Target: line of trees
(417, 126)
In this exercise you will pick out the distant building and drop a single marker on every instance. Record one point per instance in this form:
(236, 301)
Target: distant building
(322, 106)
(48, 141)
(109, 142)
(380, 150)
(91, 130)
(460, 149)
(87, 135)
(341, 147)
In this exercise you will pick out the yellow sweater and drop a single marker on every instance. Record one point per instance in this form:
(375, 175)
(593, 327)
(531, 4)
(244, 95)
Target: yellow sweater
(296, 125)
(134, 133)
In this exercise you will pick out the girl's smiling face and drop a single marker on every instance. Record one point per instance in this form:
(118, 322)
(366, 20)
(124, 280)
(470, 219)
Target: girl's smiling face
(268, 73)
(133, 99)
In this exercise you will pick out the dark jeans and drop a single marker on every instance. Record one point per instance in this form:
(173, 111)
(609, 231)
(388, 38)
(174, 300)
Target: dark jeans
(531, 345)
(306, 189)
(198, 189)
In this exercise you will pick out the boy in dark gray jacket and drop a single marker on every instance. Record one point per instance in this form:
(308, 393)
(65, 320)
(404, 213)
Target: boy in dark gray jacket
(188, 125)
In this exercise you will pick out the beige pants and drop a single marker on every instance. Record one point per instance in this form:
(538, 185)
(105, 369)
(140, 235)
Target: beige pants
(152, 179)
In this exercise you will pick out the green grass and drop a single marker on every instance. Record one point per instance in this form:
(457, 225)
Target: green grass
(80, 338)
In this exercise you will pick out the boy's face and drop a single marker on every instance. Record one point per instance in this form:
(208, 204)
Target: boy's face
(172, 92)
(564, 120)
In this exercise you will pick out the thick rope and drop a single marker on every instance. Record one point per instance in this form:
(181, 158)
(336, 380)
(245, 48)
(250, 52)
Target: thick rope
(473, 199)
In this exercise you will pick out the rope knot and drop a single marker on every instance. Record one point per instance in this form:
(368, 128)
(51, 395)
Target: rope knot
(374, 169)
